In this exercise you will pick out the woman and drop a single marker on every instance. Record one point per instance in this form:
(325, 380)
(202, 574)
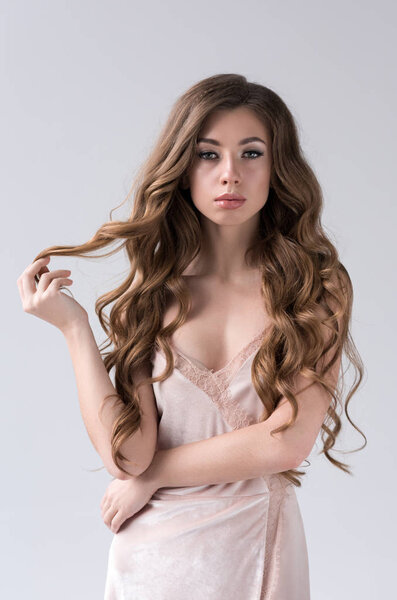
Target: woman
(231, 324)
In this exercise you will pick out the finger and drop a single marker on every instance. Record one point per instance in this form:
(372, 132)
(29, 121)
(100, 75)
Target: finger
(116, 523)
(47, 278)
(118, 520)
(26, 280)
(109, 515)
(106, 501)
(106, 498)
(104, 507)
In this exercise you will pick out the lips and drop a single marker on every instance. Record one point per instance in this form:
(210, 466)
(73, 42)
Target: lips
(230, 197)
(229, 201)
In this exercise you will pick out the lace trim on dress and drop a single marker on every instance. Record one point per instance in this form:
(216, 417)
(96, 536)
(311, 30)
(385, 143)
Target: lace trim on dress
(216, 383)
(278, 491)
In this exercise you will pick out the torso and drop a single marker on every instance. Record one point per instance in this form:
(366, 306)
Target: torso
(223, 319)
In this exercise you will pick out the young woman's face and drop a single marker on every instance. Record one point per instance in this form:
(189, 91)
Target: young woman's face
(227, 163)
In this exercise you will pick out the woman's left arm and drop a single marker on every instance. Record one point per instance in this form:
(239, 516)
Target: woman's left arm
(237, 455)
(250, 451)
(242, 454)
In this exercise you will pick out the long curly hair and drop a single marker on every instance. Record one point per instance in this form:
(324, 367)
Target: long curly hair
(300, 266)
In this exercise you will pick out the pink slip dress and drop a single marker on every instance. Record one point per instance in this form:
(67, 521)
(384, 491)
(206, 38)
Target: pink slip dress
(242, 540)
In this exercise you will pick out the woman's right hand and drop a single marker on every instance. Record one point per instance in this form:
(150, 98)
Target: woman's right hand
(47, 301)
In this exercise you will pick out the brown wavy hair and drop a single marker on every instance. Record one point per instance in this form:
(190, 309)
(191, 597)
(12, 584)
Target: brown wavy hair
(300, 266)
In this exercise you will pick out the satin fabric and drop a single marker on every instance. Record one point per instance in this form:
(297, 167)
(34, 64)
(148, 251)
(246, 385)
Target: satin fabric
(243, 540)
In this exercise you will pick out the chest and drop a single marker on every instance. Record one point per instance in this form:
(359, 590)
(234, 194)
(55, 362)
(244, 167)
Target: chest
(223, 319)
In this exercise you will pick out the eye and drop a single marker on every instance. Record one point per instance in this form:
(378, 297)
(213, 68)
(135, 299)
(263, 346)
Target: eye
(203, 155)
(255, 152)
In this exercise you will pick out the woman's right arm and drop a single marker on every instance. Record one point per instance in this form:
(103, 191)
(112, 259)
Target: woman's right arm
(93, 382)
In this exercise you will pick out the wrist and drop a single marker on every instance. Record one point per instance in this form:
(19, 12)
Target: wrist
(76, 329)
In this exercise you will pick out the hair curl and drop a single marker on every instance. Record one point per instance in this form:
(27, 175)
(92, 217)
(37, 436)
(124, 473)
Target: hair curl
(300, 266)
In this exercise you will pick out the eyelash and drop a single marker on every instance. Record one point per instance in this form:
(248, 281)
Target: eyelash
(200, 154)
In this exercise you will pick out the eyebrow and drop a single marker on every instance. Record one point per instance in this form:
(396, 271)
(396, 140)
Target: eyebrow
(241, 142)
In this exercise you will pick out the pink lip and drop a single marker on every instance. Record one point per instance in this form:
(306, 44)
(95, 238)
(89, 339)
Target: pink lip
(230, 197)
(229, 201)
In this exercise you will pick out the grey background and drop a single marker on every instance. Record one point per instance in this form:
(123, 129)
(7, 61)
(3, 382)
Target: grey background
(85, 88)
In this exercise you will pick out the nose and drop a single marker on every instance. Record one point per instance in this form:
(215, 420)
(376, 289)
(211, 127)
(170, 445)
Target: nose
(229, 172)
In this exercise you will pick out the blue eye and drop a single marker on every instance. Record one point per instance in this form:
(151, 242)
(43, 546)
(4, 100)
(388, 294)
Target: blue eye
(202, 155)
(254, 152)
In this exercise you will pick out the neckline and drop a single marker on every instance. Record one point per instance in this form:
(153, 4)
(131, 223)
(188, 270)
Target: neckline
(204, 368)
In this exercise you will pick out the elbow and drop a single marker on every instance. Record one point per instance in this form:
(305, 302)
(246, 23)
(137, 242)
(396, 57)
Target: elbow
(145, 455)
(123, 476)
(136, 471)
(132, 471)
(297, 459)
(117, 473)
(142, 468)
(286, 460)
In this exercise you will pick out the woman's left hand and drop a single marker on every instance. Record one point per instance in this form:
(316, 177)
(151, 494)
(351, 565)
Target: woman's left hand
(123, 498)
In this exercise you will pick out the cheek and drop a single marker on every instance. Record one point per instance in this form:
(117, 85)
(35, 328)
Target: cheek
(201, 178)
(201, 169)
(262, 177)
